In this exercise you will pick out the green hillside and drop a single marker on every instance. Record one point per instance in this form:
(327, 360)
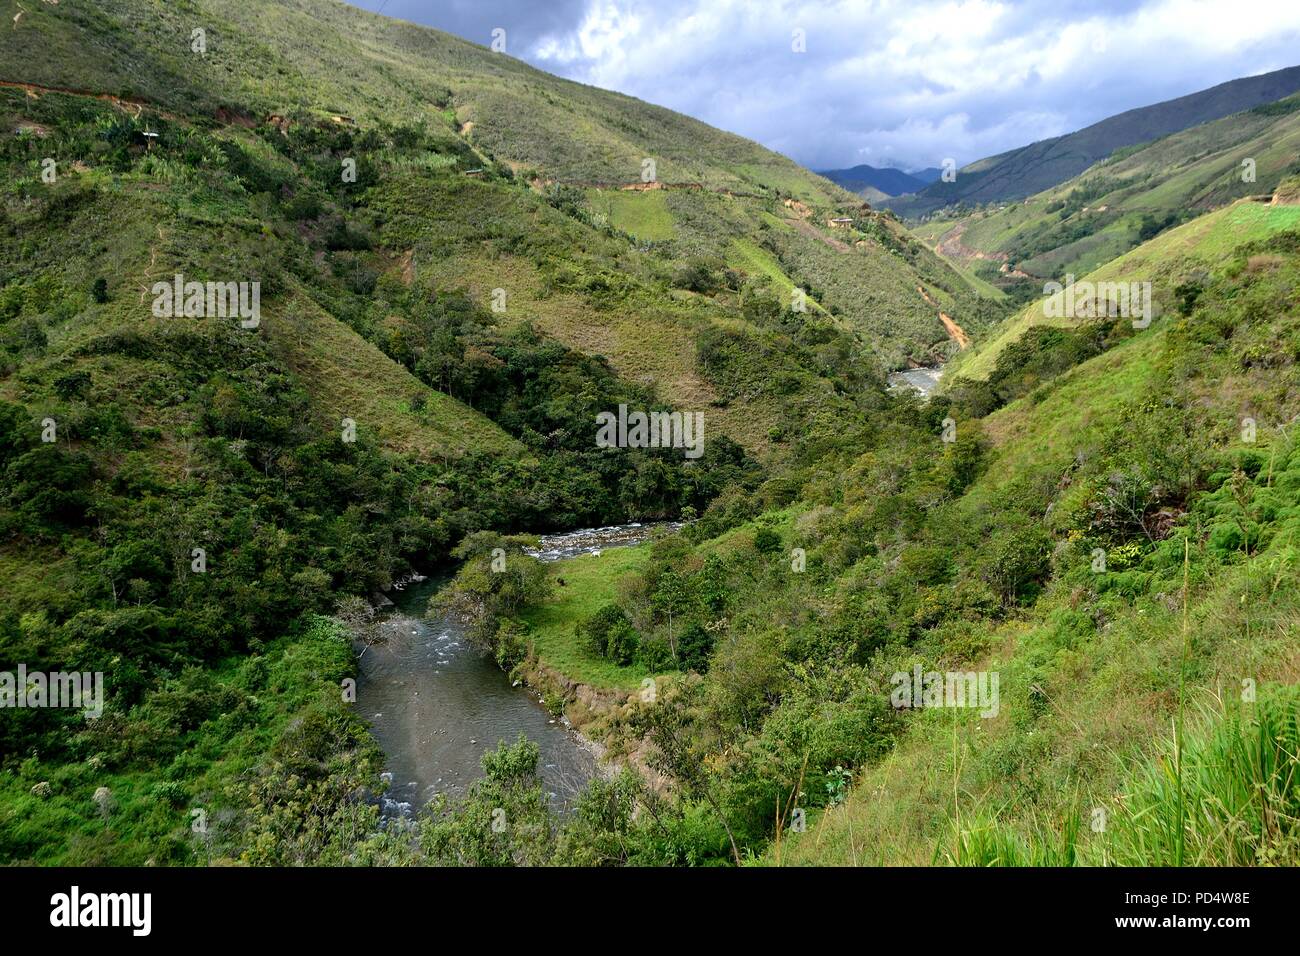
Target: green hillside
(1166, 261)
(1039, 166)
(1125, 200)
(482, 108)
(1191, 630)
(457, 267)
(274, 58)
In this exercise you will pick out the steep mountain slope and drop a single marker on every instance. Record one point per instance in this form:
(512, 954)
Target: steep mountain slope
(306, 60)
(1120, 202)
(1166, 610)
(1165, 262)
(889, 181)
(1031, 169)
(273, 58)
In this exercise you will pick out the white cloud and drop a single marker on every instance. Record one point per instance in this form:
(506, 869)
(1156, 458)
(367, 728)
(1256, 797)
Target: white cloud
(912, 80)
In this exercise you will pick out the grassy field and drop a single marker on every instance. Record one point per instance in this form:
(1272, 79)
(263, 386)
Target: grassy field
(644, 215)
(590, 582)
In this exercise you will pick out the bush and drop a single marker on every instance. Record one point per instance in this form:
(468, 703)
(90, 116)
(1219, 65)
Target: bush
(698, 275)
(767, 541)
(511, 644)
(609, 634)
(1020, 559)
(694, 645)
(654, 654)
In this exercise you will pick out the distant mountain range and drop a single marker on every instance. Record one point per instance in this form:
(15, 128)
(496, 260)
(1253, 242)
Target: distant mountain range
(1031, 169)
(887, 181)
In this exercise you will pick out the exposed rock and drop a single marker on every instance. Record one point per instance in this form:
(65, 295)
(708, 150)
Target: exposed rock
(1288, 193)
(104, 800)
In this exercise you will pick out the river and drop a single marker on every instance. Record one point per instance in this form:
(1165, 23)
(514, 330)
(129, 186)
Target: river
(924, 379)
(436, 704)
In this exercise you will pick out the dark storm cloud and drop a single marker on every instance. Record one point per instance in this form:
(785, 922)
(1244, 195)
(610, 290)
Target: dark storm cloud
(884, 82)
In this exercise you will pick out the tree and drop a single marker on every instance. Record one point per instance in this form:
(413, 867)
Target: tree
(504, 820)
(497, 581)
(608, 633)
(673, 595)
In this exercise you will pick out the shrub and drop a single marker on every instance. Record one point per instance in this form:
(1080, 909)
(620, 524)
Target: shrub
(654, 654)
(609, 634)
(694, 645)
(767, 541)
(1019, 561)
(511, 644)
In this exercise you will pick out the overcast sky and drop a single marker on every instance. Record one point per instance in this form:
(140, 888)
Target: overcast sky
(904, 83)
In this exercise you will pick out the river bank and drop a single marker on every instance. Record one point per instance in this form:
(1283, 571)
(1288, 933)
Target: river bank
(436, 704)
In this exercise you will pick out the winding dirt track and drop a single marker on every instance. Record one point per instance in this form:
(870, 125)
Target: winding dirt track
(950, 246)
(106, 97)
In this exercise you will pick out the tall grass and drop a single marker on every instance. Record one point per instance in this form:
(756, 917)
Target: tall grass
(1237, 802)
(1240, 796)
(991, 843)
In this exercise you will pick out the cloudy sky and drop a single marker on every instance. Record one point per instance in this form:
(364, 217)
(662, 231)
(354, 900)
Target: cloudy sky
(886, 82)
